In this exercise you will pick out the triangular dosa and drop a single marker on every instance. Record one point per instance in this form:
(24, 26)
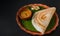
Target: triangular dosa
(41, 19)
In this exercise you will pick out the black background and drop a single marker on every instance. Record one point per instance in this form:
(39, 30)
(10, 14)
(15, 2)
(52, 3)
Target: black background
(8, 9)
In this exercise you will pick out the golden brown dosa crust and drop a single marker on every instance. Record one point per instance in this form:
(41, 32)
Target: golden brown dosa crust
(36, 33)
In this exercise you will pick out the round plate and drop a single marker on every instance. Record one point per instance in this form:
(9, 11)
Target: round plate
(32, 32)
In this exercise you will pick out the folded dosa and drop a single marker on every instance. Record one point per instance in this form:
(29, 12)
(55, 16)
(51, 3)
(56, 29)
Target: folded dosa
(41, 19)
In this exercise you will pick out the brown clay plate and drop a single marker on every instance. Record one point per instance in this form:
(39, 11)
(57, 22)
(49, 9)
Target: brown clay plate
(27, 25)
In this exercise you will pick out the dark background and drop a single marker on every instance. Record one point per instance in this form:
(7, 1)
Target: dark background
(8, 9)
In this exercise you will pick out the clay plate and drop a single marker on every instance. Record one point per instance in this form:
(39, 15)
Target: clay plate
(36, 33)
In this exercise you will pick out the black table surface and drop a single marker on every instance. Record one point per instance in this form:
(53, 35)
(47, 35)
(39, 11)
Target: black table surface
(9, 8)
